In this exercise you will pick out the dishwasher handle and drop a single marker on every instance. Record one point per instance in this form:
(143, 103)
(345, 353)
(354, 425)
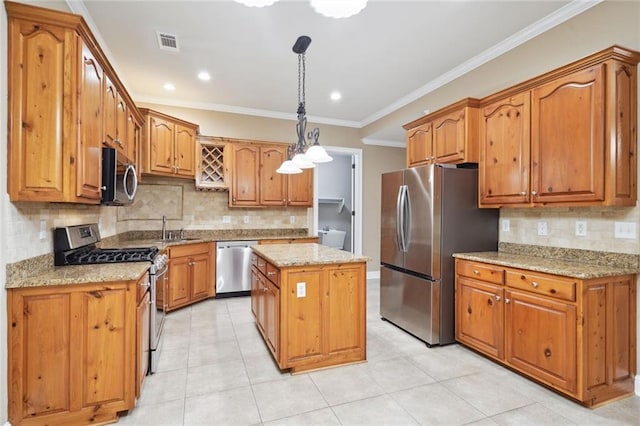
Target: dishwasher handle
(234, 244)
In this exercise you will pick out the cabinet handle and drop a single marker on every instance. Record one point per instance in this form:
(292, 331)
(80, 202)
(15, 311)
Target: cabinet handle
(523, 193)
(117, 141)
(271, 273)
(547, 352)
(507, 301)
(476, 272)
(498, 298)
(103, 188)
(534, 284)
(534, 193)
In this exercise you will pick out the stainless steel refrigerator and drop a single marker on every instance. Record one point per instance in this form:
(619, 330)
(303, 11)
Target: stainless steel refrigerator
(428, 213)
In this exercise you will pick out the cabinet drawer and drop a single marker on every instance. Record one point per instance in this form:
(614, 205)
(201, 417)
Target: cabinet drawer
(188, 250)
(273, 274)
(558, 287)
(261, 264)
(254, 260)
(142, 286)
(480, 271)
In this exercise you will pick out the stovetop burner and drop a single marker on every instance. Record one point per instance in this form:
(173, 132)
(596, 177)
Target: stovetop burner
(76, 245)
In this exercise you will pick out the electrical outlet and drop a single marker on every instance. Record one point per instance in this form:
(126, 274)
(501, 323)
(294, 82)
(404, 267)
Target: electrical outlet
(292, 219)
(506, 226)
(625, 230)
(226, 219)
(245, 219)
(43, 229)
(542, 228)
(301, 289)
(581, 228)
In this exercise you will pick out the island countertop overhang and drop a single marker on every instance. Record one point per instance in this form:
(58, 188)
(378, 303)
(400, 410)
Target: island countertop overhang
(291, 255)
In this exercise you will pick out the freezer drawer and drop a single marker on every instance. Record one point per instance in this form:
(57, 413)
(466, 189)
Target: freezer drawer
(412, 303)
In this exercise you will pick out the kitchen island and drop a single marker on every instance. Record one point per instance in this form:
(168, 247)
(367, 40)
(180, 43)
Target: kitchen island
(309, 303)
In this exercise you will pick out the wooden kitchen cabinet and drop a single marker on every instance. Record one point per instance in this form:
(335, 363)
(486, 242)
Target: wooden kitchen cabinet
(116, 123)
(143, 313)
(169, 145)
(56, 74)
(255, 182)
(310, 317)
(556, 330)
(191, 274)
(212, 173)
(449, 135)
(73, 352)
(565, 138)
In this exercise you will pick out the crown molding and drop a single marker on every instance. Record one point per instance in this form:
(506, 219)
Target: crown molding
(561, 15)
(383, 142)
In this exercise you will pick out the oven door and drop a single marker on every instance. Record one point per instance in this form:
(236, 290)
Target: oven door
(158, 282)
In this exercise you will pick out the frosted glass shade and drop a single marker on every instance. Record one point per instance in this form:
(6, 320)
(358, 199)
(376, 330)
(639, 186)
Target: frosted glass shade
(289, 168)
(338, 8)
(256, 3)
(317, 154)
(302, 162)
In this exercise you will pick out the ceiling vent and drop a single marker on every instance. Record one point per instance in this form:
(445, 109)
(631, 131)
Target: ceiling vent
(168, 41)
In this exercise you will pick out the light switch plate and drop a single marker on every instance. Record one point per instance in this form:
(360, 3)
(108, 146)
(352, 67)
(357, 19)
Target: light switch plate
(625, 230)
(43, 229)
(506, 225)
(226, 219)
(542, 228)
(581, 228)
(292, 219)
(301, 289)
(245, 219)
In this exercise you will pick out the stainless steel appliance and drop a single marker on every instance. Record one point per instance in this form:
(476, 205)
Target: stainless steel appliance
(428, 213)
(233, 268)
(76, 245)
(119, 179)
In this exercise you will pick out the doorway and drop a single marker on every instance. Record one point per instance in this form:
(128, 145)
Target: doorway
(337, 203)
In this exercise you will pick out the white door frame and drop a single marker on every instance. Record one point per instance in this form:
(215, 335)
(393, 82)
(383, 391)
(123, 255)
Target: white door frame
(356, 238)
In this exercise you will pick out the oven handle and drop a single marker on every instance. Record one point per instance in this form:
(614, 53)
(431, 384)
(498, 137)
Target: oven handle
(162, 271)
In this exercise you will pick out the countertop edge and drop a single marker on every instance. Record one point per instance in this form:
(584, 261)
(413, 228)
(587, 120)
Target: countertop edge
(313, 253)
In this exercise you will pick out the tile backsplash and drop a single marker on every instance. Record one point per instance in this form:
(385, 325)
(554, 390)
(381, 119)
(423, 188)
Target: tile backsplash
(177, 199)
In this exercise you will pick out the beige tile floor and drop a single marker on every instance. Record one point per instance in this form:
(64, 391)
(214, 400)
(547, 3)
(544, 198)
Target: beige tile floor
(215, 370)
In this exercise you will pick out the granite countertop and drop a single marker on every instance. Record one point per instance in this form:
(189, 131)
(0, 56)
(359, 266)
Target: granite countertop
(83, 274)
(549, 265)
(286, 255)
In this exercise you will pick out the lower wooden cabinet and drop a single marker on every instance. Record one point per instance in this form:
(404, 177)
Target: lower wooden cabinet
(72, 352)
(191, 274)
(143, 341)
(313, 316)
(575, 336)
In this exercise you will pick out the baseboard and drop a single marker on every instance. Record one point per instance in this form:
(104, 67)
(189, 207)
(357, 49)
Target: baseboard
(375, 275)
(637, 385)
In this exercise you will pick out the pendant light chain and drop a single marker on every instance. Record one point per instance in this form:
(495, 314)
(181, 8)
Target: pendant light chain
(301, 81)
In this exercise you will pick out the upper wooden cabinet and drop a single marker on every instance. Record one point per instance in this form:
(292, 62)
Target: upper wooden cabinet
(567, 137)
(255, 182)
(57, 75)
(168, 146)
(449, 135)
(117, 133)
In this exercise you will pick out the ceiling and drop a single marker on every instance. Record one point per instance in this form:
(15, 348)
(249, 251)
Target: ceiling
(390, 54)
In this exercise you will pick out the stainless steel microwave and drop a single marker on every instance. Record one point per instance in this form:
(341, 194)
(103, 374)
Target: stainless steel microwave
(119, 179)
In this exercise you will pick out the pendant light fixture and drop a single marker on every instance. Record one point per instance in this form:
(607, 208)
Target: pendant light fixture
(307, 151)
(256, 3)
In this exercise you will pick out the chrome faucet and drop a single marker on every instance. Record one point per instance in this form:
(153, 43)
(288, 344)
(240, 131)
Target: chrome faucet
(164, 228)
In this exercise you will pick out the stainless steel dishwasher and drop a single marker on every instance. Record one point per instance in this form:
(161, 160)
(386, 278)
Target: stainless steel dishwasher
(233, 268)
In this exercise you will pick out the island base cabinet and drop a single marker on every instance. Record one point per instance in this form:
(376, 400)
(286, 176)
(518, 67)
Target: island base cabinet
(576, 336)
(71, 353)
(311, 317)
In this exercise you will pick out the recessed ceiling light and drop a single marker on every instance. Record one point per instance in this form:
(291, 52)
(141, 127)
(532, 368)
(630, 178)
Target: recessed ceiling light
(204, 76)
(336, 96)
(169, 86)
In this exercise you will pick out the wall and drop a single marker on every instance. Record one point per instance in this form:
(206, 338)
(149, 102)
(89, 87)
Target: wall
(375, 159)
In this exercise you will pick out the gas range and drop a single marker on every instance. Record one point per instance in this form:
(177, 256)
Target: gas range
(76, 245)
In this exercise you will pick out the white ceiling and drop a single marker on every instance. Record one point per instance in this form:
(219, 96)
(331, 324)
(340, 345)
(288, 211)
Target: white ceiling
(391, 53)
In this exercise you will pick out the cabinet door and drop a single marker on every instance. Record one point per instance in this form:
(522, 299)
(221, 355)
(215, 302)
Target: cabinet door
(304, 315)
(245, 190)
(40, 355)
(133, 138)
(480, 315)
(449, 137)
(185, 151)
(504, 151)
(179, 293)
(105, 347)
(142, 341)
(345, 309)
(272, 317)
(273, 186)
(89, 158)
(41, 70)
(541, 338)
(567, 138)
(300, 189)
(122, 138)
(262, 307)
(419, 145)
(201, 277)
(161, 145)
(255, 292)
(110, 114)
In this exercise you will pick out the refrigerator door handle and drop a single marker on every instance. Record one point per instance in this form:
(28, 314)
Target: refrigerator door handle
(406, 209)
(402, 216)
(399, 218)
